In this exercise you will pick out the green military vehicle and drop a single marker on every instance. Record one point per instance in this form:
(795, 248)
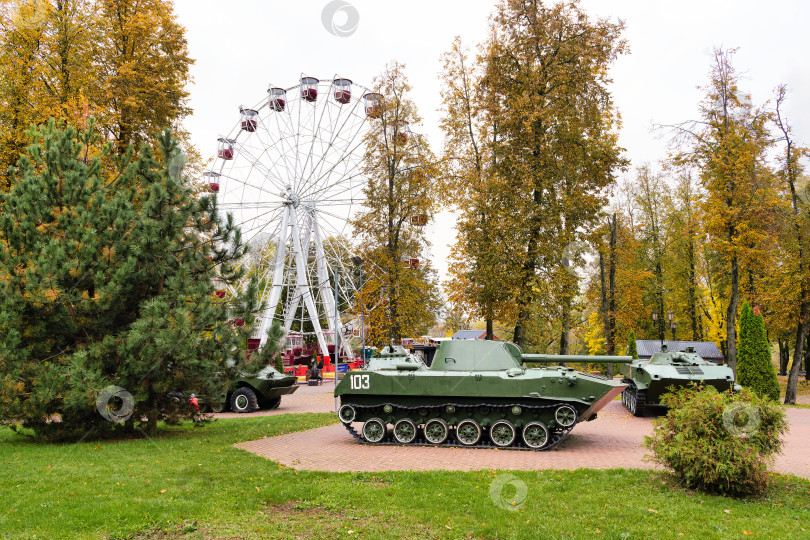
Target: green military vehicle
(475, 394)
(249, 393)
(648, 380)
(390, 356)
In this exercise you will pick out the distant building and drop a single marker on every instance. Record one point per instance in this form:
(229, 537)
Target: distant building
(472, 334)
(706, 349)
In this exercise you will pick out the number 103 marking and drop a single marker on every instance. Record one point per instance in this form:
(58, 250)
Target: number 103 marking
(359, 382)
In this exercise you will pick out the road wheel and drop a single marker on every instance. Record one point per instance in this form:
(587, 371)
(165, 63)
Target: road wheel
(405, 431)
(468, 432)
(565, 415)
(436, 431)
(535, 435)
(374, 430)
(502, 433)
(244, 401)
(347, 414)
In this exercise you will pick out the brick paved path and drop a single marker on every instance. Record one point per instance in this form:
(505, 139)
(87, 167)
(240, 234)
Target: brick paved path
(612, 440)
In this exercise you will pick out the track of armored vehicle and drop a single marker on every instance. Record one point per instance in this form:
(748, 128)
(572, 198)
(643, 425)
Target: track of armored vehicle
(475, 394)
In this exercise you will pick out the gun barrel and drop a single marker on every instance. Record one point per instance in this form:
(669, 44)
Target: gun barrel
(560, 358)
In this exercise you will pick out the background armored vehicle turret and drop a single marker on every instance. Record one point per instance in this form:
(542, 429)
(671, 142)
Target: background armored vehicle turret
(390, 356)
(648, 380)
(476, 393)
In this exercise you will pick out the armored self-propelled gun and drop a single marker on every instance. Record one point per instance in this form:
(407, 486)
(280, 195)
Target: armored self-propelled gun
(476, 393)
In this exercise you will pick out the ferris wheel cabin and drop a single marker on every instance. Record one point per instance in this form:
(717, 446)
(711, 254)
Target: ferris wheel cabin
(212, 179)
(402, 131)
(309, 88)
(276, 99)
(372, 102)
(343, 90)
(225, 149)
(250, 119)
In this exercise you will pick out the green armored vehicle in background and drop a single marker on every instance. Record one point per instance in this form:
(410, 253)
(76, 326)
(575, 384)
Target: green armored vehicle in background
(475, 394)
(250, 392)
(390, 356)
(648, 380)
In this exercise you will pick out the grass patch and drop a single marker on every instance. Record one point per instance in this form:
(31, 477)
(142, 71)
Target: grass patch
(191, 483)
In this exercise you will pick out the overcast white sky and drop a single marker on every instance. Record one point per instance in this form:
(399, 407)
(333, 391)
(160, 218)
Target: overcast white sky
(241, 45)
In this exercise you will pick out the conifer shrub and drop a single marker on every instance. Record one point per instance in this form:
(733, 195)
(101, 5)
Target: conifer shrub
(107, 304)
(755, 369)
(719, 443)
(632, 346)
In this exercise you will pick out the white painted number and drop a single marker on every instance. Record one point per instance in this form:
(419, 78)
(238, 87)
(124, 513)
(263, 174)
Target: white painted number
(359, 382)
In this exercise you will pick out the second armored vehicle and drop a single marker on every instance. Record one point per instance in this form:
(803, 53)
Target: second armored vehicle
(391, 356)
(648, 380)
(248, 393)
(476, 393)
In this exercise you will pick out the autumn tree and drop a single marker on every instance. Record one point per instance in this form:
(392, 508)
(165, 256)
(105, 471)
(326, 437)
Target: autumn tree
(125, 62)
(545, 80)
(797, 242)
(479, 278)
(653, 202)
(684, 256)
(728, 146)
(144, 69)
(400, 291)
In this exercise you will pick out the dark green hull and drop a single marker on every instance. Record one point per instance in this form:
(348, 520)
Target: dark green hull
(505, 404)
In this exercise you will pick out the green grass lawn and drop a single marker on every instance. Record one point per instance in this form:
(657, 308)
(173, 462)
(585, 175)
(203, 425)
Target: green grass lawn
(191, 483)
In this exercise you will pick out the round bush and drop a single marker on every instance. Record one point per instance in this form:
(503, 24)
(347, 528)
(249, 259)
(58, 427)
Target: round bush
(718, 442)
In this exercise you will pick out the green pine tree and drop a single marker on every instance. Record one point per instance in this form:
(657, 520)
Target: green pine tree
(106, 288)
(754, 366)
(632, 347)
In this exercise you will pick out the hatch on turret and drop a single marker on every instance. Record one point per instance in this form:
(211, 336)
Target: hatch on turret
(474, 355)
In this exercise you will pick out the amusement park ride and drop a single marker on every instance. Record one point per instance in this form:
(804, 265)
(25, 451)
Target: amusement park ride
(291, 174)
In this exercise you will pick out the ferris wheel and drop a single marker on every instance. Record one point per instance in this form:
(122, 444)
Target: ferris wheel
(290, 172)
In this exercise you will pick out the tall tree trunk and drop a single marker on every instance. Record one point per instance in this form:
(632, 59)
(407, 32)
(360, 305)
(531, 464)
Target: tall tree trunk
(731, 316)
(603, 305)
(525, 295)
(489, 335)
(694, 314)
(798, 353)
(807, 355)
(566, 328)
(611, 335)
(784, 356)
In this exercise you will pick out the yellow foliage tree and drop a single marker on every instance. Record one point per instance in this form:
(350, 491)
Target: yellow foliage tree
(400, 293)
